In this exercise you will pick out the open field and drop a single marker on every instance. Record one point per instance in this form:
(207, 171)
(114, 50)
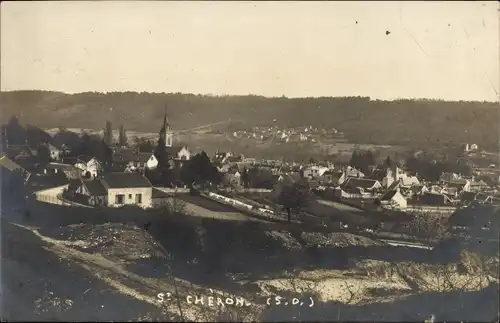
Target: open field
(202, 207)
(201, 140)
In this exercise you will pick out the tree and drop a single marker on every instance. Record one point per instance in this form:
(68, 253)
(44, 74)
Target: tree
(161, 152)
(260, 178)
(245, 179)
(356, 159)
(362, 160)
(294, 197)
(108, 134)
(16, 134)
(143, 145)
(199, 170)
(388, 162)
(36, 136)
(67, 138)
(122, 137)
(43, 154)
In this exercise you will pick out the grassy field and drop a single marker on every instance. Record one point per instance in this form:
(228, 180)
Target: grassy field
(270, 149)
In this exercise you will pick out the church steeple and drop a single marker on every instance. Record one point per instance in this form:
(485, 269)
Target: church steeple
(165, 132)
(165, 121)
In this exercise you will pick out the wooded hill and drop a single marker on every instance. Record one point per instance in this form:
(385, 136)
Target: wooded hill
(361, 119)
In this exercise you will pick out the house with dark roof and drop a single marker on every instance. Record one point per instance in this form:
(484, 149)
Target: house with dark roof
(232, 159)
(12, 173)
(353, 172)
(123, 158)
(337, 178)
(127, 189)
(435, 199)
(478, 197)
(70, 171)
(16, 152)
(361, 185)
(478, 185)
(358, 188)
(91, 192)
(448, 177)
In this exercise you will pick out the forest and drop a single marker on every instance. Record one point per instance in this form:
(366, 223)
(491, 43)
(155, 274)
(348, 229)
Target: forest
(361, 119)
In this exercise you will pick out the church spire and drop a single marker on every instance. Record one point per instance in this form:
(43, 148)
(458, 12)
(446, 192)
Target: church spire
(165, 132)
(165, 123)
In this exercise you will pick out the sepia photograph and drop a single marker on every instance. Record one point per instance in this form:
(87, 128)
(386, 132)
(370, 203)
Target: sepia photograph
(250, 161)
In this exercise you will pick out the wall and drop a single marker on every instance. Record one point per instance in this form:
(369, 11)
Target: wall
(146, 195)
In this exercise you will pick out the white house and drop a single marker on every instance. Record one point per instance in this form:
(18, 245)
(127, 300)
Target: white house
(146, 160)
(54, 153)
(184, 154)
(128, 189)
(315, 171)
(394, 199)
(89, 166)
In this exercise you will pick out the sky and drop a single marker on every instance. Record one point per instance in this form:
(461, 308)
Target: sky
(384, 50)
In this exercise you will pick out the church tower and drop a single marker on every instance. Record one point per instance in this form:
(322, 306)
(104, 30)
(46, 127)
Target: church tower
(166, 132)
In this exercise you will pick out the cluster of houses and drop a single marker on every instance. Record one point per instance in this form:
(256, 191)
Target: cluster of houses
(86, 178)
(397, 189)
(391, 187)
(124, 183)
(311, 134)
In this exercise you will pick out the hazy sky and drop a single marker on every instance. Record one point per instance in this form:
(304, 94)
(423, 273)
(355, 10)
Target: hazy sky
(446, 50)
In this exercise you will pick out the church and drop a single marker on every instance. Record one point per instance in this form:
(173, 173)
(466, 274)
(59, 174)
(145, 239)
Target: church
(175, 152)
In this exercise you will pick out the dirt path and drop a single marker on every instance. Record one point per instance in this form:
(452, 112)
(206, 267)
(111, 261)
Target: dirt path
(144, 289)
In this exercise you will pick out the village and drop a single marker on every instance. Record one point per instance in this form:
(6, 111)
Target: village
(122, 175)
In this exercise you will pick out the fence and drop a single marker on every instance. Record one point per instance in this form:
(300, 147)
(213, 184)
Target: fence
(246, 208)
(54, 196)
(46, 198)
(430, 209)
(51, 195)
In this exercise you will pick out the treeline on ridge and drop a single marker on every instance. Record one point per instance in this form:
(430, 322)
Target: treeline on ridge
(362, 120)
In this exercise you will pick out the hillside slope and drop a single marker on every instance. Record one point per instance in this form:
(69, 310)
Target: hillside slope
(361, 119)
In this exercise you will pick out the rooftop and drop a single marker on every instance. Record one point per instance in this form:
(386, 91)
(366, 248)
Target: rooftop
(126, 180)
(95, 187)
(8, 163)
(144, 157)
(158, 194)
(360, 182)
